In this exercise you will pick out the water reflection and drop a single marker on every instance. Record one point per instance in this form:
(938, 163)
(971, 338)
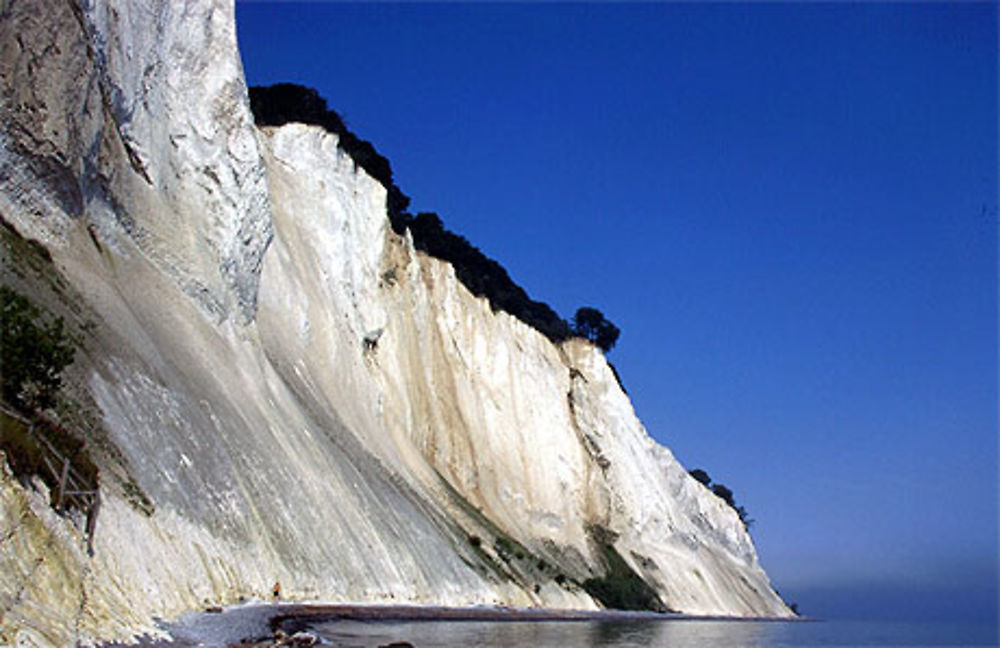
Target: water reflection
(659, 633)
(714, 633)
(567, 634)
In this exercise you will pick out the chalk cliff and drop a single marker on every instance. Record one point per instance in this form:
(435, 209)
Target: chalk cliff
(277, 387)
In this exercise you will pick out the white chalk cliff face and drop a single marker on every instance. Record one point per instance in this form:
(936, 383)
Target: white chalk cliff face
(281, 388)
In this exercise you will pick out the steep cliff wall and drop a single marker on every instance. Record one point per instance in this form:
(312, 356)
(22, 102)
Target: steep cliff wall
(279, 388)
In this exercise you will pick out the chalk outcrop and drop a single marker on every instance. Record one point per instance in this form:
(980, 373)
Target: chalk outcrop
(276, 386)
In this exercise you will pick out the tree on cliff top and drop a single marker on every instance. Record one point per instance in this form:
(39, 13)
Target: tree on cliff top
(282, 103)
(590, 323)
(724, 493)
(701, 476)
(288, 102)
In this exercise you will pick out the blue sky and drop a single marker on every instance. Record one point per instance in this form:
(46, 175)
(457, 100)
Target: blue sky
(789, 209)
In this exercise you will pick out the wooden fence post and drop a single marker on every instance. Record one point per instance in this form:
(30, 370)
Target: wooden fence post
(62, 484)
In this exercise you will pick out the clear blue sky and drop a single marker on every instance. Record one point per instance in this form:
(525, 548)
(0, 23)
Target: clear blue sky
(789, 209)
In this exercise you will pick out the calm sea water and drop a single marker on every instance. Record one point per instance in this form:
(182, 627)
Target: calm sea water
(632, 634)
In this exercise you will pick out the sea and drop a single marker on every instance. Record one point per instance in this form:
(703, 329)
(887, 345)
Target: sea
(668, 633)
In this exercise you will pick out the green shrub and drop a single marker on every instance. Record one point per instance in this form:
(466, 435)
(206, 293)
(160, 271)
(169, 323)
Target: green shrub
(701, 477)
(724, 493)
(504, 548)
(621, 588)
(590, 324)
(34, 349)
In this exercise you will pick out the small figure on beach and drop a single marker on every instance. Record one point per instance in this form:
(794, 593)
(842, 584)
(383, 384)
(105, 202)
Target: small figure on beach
(276, 590)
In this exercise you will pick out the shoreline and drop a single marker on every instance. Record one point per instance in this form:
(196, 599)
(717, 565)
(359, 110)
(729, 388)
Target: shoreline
(321, 612)
(256, 623)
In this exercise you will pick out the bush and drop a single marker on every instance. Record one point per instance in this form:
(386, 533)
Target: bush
(504, 547)
(621, 588)
(724, 493)
(590, 323)
(34, 350)
(701, 476)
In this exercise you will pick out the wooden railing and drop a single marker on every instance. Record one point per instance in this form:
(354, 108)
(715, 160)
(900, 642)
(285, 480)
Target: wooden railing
(71, 488)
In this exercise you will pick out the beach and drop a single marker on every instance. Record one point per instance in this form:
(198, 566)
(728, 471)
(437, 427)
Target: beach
(257, 624)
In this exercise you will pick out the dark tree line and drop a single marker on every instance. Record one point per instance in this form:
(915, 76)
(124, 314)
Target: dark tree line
(590, 323)
(484, 277)
(723, 493)
(282, 103)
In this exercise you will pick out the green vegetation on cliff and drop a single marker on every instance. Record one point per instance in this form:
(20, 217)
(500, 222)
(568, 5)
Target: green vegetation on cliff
(34, 349)
(724, 493)
(620, 588)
